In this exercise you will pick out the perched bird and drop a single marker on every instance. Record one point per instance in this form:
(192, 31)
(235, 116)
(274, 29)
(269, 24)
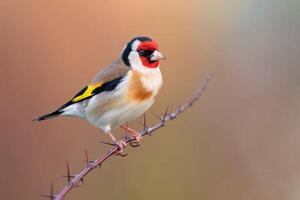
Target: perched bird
(121, 92)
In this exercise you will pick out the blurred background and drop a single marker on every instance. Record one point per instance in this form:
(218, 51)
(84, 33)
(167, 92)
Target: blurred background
(240, 141)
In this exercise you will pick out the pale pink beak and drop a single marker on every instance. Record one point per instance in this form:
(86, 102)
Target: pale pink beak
(156, 55)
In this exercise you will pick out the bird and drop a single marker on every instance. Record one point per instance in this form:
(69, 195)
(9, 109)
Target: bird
(120, 92)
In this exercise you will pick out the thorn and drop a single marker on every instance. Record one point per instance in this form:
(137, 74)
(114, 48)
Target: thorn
(145, 122)
(86, 156)
(51, 196)
(51, 190)
(68, 172)
(107, 143)
(165, 115)
(146, 129)
(71, 176)
(126, 131)
(87, 161)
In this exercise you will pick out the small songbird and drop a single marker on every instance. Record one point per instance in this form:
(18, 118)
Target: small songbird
(121, 92)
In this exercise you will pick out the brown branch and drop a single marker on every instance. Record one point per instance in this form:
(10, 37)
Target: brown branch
(74, 180)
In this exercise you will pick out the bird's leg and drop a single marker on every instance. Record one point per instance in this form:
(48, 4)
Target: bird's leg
(136, 135)
(120, 143)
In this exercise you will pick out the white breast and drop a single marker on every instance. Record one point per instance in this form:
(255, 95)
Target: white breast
(111, 109)
(152, 80)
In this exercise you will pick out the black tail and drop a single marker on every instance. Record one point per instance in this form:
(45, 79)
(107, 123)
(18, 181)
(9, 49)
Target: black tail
(48, 116)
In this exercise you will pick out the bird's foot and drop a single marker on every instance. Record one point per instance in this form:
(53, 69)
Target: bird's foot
(121, 144)
(136, 135)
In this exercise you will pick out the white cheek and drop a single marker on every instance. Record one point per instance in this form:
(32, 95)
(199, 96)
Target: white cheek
(135, 45)
(134, 59)
(136, 63)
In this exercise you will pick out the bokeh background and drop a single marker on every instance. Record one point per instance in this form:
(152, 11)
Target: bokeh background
(240, 141)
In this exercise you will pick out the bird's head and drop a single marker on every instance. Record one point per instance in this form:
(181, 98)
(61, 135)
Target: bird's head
(141, 53)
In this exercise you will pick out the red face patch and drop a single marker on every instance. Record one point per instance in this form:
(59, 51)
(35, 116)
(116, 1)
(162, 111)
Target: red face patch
(148, 45)
(147, 48)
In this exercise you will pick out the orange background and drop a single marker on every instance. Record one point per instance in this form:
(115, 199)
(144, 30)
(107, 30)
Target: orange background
(240, 141)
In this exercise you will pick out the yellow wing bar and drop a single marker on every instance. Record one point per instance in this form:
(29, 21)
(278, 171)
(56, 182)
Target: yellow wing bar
(87, 93)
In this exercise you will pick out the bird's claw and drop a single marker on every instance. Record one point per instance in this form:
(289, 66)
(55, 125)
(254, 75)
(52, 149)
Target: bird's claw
(136, 135)
(134, 144)
(121, 144)
(137, 138)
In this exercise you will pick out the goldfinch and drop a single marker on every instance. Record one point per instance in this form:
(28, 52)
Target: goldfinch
(121, 92)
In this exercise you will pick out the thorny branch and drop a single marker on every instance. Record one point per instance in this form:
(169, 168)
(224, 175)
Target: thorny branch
(75, 180)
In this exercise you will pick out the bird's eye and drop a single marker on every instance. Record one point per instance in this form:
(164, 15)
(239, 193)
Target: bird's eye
(141, 52)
